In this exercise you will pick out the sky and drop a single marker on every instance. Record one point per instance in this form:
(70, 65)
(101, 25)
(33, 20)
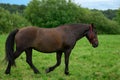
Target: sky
(91, 4)
(99, 4)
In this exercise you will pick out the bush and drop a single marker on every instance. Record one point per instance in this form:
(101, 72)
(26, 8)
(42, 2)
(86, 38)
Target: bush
(103, 24)
(5, 22)
(10, 21)
(51, 13)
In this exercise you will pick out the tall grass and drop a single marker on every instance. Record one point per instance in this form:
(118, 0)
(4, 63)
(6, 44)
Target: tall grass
(86, 62)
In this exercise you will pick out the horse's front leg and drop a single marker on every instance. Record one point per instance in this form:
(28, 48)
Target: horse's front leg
(58, 58)
(67, 54)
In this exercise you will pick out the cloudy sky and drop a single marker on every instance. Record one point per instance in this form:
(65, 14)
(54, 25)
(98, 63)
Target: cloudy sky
(91, 4)
(99, 4)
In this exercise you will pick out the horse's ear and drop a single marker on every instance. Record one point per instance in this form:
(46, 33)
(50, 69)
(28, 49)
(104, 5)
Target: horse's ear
(92, 25)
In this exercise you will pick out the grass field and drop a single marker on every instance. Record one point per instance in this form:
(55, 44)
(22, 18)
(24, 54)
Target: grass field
(86, 62)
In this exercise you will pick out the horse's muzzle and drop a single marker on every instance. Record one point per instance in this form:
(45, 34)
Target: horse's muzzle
(95, 45)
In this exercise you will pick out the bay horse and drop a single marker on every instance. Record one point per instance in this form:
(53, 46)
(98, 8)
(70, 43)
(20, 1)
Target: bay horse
(61, 39)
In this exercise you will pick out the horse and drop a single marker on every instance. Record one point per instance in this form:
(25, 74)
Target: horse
(61, 39)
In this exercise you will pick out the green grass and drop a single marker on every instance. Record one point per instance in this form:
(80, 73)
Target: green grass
(86, 62)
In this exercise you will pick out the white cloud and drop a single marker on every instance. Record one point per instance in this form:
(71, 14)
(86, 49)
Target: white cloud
(99, 4)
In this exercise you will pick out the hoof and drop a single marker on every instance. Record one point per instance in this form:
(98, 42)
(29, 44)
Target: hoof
(67, 73)
(36, 72)
(47, 70)
(7, 72)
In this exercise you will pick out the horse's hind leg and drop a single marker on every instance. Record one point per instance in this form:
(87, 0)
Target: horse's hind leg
(29, 59)
(58, 58)
(16, 54)
(7, 71)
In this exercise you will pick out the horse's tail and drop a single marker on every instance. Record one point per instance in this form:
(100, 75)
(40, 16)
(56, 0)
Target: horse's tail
(9, 47)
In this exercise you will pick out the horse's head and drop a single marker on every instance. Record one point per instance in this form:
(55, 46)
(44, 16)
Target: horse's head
(92, 36)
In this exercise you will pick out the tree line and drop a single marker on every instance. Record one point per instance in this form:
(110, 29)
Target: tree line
(110, 14)
(13, 8)
(52, 13)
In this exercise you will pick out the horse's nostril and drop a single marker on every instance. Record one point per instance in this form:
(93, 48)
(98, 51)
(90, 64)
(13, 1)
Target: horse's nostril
(95, 45)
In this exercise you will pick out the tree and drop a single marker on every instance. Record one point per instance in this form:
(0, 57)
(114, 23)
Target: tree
(5, 22)
(103, 24)
(10, 21)
(13, 8)
(118, 16)
(110, 14)
(51, 13)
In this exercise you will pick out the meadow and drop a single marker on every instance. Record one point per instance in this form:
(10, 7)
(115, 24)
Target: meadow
(86, 62)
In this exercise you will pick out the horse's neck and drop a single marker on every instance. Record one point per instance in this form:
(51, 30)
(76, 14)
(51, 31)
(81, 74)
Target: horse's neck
(80, 31)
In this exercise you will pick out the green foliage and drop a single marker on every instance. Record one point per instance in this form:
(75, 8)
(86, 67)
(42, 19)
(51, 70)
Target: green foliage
(86, 63)
(51, 13)
(10, 21)
(13, 8)
(117, 18)
(110, 14)
(103, 24)
(5, 23)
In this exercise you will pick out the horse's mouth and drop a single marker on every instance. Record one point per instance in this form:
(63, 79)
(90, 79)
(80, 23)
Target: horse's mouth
(95, 45)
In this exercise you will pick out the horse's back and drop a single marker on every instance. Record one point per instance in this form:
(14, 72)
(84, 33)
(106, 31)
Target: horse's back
(42, 39)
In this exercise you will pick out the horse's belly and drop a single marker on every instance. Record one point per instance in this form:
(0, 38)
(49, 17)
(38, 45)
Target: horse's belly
(47, 49)
(48, 46)
(48, 41)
